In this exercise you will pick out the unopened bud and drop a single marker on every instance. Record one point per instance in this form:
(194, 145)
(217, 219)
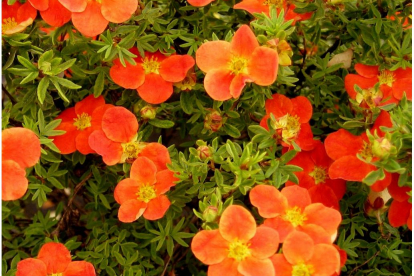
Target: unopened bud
(148, 112)
(382, 148)
(210, 214)
(204, 152)
(213, 121)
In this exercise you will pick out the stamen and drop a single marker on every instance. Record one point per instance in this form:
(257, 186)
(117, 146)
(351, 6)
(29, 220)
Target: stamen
(238, 250)
(295, 216)
(151, 65)
(83, 121)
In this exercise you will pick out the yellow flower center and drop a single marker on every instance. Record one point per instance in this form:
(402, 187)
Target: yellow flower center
(277, 3)
(238, 65)
(151, 65)
(186, 84)
(8, 23)
(289, 126)
(83, 121)
(238, 250)
(371, 97)
(146, 193)
(386, 77)
(366, 152)
(295, 216)
(319, 175)
(130, 150)
(302, 270)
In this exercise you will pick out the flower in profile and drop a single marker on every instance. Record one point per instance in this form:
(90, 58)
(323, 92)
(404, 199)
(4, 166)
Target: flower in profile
(283, 49)
(291, 120)
(15, 18)
(392, 85)
(199, 3)
(400, 212)
(315, 178)
(259, 6)
(343, 147)
(92, 17)
(229, 65)
(143, 193)
(238, 247)
(291, 210)
(54, 259)
(79, 122)
(302, 256)
(153, 76)
(20, 150)
(52, 12)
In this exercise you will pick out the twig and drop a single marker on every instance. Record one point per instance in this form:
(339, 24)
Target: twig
(12, 99)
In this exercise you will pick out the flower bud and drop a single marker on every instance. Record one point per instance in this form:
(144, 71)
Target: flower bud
(148, 112)
(204, 152)
(213, 121)
(382, 148)
(376, 202)
(210, 214)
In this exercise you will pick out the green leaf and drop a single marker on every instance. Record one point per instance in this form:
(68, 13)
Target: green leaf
(186, 102)
(67, 83)
(26, 63)
(42, 88)
(162, 123)
(99, 85)
(30, 77)
(231, 130)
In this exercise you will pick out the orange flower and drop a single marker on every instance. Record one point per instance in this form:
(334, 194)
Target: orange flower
(54, 259)
(52, 12)
(143, 193)
(199, 3)
(406, 23)
(283, 49)
(259, 6)
(292, 120)
(238, 247)
(20, 150)
(153, 76)
(79, 122)
(393, 84)
(15, 18)
(301, 256)
(92, 17)
(315, 178)
(291, 210)
(343, 147)
(400, 212)
(115, 140)
(229, 65)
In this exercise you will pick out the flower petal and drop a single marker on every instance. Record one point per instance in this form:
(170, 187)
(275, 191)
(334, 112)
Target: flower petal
(74, 5)
(227, 267)
(350, 168)
(155, 89)
(213, 55)
(316, 233)
(82, 141)
(265, 243)
(236, 222)
(279, 105)
(157, 207)
(281, 265)
(20, 145)
(364, 83)
(252, 266)
(217, 83)
(119, 124)
(328, 218)
(305, 137)
(175, 67)
(131, 210)
(56, 257)
(342, 143)
(110, 151)
(401, 86)
(237, 85)
(296, 196)
(381, 185)
(130, 76)
(325, 195)
(66, 143)
(325, 260)
(13, 180)
(90, 22)
(158, 154)
(39, 5)
(209, 247)
(126, 190)
(165, 180)
(252, 6)
(77, 268)
(298, 247)
(283, 227)
(143, 170)
(118, 11)
(302, 108)
(399, 213)
(366, 71)
(31, 267)
(269, 201)
(398, 193)
(89, 104)
(263, 66)
(56, 15)
(244, 42)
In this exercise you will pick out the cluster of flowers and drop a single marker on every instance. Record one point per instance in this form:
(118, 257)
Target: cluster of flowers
(90, 17)
(306, 230)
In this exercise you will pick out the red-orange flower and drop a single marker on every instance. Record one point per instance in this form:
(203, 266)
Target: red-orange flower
(20, 150)
(229, 65)
(199, 3)
(392, 85)
(115, 140)
(238, 247)
(291, 210)
(143, 193)
(79, 122)
(92, 17)
(15, 18)
(400, 212)
(153, 76)
(52, 12)
(301, 256)
(54, 259)
(292, 120)
(259, 6)
(315, 178)
(343, 147)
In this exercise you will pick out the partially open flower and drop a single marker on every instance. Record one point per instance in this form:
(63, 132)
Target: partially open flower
(15, 18)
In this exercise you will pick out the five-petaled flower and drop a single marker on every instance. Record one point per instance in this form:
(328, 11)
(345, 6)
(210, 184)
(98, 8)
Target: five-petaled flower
(303, 257)
(315, 178)
(229, 65)
(79, 122)
(392, 85)
(291, 120)
(153, 76)
(238, 247)
(343, 147)
(291, 210)
(20, 150)
(400, 212)
(143, 193)
(15, 18)
(259, 6)
(92, 17)
(54, 260)
(52, 12)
